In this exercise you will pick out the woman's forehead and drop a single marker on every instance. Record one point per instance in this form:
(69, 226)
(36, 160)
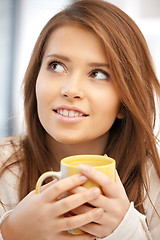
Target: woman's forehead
(68, 38)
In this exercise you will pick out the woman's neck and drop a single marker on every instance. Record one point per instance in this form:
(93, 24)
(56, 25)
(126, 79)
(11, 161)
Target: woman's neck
(61, 150)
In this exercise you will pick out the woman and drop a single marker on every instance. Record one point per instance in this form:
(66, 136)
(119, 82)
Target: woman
(89, 89)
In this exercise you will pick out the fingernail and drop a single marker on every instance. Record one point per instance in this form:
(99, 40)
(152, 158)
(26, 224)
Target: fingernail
(83, 178)
(98, 213)
(95, 192)
(84, 168)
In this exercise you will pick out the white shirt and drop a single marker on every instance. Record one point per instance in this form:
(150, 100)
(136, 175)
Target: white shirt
(132, 227)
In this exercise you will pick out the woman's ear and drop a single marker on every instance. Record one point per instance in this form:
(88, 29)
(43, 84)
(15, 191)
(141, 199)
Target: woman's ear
(121, 113)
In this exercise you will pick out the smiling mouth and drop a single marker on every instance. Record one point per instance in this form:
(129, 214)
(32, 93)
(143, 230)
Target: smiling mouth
(70, 113)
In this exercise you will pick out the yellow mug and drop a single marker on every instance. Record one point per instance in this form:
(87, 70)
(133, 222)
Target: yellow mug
(69, 167)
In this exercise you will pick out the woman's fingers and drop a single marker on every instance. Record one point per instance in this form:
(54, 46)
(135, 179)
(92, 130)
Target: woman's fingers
(62, 186)
(109, 187)
(96, 230)
(47, 185)
(102, 202)
(77, 221)
(84, 236)
(115, 198)
(79, 210)
(73, 201)
(77, 189)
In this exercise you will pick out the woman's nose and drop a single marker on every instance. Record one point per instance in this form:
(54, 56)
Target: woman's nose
(72, 89)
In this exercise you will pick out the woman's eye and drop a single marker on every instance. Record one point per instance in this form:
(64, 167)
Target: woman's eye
(56, 67)
(97, 74)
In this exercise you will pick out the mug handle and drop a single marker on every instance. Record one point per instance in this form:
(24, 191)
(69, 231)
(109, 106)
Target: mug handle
(57, 175)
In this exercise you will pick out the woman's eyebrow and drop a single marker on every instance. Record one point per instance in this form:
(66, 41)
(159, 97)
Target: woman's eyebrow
(67, 59)
(96, 64)
(61, 57)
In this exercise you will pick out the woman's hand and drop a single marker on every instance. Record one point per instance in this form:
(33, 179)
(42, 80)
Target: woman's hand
(114, 202)
(42, 216)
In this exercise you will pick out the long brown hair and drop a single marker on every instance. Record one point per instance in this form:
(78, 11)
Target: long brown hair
(131, 140)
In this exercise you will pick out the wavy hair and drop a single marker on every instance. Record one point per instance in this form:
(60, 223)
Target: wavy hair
(131, 140)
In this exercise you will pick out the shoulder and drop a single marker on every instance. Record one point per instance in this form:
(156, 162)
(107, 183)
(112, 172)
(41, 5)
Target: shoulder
(8, 146)
(10, 154)
(10, 157)
(153, 178)
(10, 172)
(152, 205)
(152, 202)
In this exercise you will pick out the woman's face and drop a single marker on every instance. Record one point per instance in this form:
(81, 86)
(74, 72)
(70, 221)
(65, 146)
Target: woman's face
(77, 101)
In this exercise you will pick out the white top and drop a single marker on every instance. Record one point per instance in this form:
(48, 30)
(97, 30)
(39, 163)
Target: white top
(132, 227)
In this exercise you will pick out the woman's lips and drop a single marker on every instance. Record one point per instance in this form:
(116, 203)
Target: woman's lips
(69, 114)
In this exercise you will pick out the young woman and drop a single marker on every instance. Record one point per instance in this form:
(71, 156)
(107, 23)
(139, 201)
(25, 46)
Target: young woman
(89, 89)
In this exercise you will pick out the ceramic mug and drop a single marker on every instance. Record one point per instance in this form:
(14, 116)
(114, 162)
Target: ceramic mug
(69, 167)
